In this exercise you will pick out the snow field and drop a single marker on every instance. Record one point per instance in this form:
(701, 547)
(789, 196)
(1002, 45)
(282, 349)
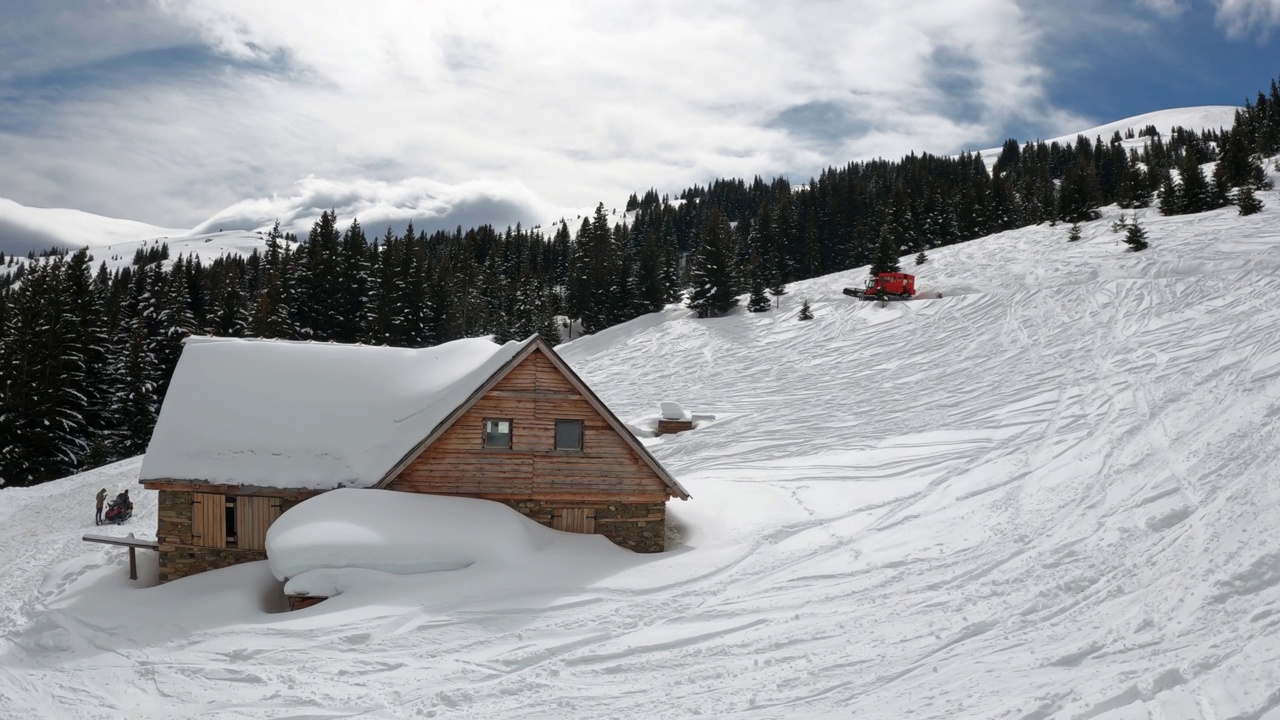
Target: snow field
(1051, 493)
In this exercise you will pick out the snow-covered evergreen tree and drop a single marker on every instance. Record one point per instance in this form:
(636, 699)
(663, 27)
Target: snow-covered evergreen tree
(713, 276)
(1136, 237)
(1247, 201)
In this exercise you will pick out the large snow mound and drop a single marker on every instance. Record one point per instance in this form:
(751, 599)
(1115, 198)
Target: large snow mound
(308, 415)
(398, 533)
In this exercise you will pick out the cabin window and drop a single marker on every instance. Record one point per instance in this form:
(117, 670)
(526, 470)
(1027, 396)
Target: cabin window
(568, 434)
(230, 515)
(497, 433)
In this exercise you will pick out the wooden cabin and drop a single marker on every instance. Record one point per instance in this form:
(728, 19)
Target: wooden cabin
(250, 428)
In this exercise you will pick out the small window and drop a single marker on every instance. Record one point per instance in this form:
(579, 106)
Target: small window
(568, 434)
(231, 522)
(497, 433)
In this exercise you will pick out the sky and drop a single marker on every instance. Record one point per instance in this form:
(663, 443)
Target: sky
(228, 114)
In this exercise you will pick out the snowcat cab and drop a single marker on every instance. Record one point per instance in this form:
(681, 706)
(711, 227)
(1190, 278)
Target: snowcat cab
(886, 286)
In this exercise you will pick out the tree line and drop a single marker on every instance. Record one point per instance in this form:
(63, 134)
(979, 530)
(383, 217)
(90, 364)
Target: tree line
(86, 354)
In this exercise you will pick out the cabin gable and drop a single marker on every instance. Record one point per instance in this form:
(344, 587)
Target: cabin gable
(533, 396)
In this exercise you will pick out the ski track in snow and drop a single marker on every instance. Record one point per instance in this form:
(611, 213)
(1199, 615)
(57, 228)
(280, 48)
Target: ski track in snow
(1052, 493)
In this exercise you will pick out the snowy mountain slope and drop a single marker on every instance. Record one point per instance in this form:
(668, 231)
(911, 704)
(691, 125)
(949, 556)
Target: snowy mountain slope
(204, 248)
(25, 228)
(1052, 493)
(1203, 117)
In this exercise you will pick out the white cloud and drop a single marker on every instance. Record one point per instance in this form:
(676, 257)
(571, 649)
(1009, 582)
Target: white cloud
(1167, 8)
(1245, 17)
(545, 105)
(429, 204)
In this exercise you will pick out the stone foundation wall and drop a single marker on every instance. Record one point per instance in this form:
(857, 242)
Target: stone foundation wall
(179, 558)
(641, 528)
(637, 527)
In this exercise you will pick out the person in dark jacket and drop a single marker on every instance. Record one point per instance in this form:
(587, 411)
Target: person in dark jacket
(102, 498)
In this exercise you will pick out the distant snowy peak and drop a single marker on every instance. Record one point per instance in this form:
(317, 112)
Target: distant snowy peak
(25, 228)
(1203, 117)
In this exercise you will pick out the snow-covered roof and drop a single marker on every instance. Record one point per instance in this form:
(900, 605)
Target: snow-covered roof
(304, 415)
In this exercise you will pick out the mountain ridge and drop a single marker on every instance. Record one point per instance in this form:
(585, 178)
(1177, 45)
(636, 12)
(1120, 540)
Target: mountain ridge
(24, 228)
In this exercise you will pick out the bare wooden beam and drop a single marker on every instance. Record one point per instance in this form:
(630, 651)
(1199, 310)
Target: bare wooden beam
(123, 541)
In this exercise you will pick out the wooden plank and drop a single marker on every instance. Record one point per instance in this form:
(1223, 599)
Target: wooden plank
(594, 499)
(209, 520)
(538, 395)
(252, 519)
(218, 489)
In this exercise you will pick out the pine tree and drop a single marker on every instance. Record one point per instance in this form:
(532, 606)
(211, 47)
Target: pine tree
(42, 374)
(922, 258)
(172, 322)
(85, 302)
(713, 275)
(886, 252)
(1170, 198)
(1074, 233)
(1132, 191)
(777, 290)
(759, 301)
(1247, 201)
(1078, 195)
(352, 290)
(805, 312)
(1196, 194)
(1136, 237)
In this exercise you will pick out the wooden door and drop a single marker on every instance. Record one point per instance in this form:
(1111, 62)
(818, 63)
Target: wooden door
(208, 520)
(579, 520)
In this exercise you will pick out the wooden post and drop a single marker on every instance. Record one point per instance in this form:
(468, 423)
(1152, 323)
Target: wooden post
(133, 563)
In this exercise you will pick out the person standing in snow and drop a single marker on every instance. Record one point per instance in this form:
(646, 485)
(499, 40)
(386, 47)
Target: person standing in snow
(102, 498)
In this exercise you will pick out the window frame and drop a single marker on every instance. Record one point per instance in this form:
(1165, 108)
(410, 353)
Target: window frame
(582, 432)
(484, 433)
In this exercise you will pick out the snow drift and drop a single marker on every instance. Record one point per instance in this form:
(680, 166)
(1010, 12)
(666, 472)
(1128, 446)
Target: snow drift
(398, 533)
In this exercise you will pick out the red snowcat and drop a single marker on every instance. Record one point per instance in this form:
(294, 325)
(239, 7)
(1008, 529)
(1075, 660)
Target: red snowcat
(886, 286)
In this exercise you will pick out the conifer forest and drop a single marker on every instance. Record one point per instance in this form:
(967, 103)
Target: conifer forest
(86, 353)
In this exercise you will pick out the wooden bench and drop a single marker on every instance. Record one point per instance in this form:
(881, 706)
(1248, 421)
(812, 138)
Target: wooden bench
(130, 542)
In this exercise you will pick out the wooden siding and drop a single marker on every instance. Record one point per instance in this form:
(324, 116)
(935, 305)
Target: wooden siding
(253, 516)
(534, 394)
(208, 520)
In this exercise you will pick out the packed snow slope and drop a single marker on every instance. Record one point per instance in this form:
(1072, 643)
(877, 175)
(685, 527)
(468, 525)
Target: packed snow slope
(1054, 492)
